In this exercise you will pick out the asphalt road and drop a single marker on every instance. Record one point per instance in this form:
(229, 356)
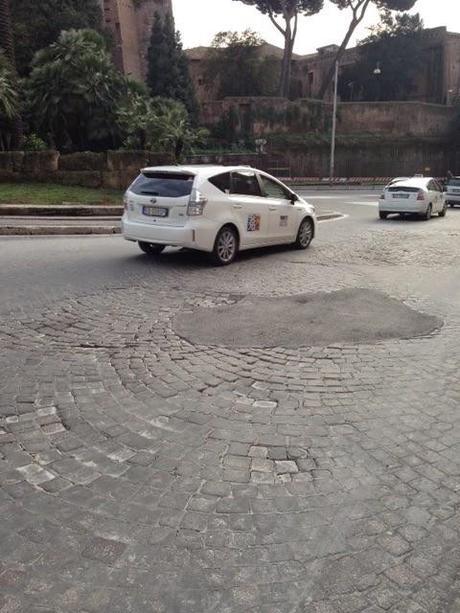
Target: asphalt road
(38, 269)
(148, 468)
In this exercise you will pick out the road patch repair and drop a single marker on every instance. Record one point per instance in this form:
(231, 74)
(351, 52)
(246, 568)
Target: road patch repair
(307, 320)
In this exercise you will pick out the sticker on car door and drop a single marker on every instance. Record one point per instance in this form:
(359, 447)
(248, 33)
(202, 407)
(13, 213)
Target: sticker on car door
(253, 223)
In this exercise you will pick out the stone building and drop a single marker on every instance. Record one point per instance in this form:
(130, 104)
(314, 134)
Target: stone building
(438, 83)
(130, 22)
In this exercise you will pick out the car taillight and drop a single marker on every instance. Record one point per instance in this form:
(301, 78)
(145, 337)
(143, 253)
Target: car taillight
(196, 203)
(125, 202)
(382, 197)
(421, 195)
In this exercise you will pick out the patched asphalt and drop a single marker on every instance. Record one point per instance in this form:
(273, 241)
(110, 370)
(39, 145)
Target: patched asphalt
(345, 316)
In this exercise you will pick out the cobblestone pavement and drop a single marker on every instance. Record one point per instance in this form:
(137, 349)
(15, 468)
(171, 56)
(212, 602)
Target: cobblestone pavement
(141, 473)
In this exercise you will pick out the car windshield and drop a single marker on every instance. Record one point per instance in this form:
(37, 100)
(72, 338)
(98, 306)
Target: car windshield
(454, 183)
(163, 184)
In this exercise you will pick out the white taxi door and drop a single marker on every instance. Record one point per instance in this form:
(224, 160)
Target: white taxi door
(434, 195)
(283, 215)
(249, 208)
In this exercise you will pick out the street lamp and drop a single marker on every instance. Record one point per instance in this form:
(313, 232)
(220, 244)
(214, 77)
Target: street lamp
(334, 123)
(377, 73)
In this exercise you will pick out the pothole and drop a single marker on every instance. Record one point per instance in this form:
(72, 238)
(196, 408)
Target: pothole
(320, 319)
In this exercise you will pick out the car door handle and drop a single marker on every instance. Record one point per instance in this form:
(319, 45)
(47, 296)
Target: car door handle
(237, 206)
(272, 208)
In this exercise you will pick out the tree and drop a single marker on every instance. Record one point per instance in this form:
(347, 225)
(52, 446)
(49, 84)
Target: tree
(157, 124)
(395, 46)
(9, 74)
(9, 103)
(168, 73)
(358, 10)
(289, 11)
(235, 64)
(39, 24)
(73, 91)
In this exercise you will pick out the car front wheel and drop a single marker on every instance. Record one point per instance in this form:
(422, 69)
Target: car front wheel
(151, 248)
(305, 234)
(443, 211)
(383, 215)
(225, 246)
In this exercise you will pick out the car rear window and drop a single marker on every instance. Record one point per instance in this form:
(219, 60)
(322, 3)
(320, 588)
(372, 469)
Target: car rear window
(404, 188)
(163, 184)
(222, 182)
(453, 183)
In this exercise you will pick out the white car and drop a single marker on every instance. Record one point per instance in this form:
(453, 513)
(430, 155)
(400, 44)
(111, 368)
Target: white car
(452, 194)
(217, 209)
(421, 196)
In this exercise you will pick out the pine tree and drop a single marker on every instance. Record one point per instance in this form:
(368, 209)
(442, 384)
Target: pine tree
(168, 73)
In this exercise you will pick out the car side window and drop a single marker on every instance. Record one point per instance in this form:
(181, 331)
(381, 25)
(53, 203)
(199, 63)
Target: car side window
(272, 189)
(222, 182)
(245, 183)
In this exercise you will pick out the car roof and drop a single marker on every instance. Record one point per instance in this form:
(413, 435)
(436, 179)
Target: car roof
(413, 182)
(202, 170)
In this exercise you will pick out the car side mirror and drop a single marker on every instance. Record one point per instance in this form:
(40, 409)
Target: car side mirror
(293, 198)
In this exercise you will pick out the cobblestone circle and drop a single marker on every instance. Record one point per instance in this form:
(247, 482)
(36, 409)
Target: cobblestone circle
(142, 473)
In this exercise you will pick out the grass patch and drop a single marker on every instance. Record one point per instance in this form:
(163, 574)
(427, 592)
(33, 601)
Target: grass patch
(52, 194)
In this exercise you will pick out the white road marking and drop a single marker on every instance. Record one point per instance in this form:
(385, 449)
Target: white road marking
(364, 203)
(342, 216)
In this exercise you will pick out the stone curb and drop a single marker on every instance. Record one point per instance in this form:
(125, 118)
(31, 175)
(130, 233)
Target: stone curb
(65, 210)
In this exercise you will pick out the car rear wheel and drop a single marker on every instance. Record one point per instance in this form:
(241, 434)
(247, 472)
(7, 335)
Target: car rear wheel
(383, 215)
(443, 211)
(305, 234)
(151, 248)
(427, 215)
(452, 205)
(225, 246)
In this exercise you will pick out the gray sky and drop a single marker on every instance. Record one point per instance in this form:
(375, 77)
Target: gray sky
(199, 20)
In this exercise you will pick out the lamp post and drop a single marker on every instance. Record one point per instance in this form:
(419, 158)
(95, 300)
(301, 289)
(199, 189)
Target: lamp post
(334, 124)
(377, 73)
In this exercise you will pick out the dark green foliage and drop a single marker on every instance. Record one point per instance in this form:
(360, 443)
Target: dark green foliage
(9, 102)
(73, 91)
(38, 23)
(234, 62)
(395, 47)
(168, 73)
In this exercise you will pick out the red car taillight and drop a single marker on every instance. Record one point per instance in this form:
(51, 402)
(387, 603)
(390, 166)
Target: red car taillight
(421, 195)
(196, 204)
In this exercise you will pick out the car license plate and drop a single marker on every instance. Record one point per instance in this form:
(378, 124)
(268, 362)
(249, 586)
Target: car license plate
(400, 195)
(155, 211)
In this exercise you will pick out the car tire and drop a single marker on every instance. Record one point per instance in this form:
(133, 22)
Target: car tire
(225, 246)
(150, 248)
(383, 215)
(452, 205)
(443, 211)
(305, 234)
(427, 215)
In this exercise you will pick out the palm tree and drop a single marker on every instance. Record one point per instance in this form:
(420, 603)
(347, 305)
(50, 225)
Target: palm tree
(6, 30)
(7, 44)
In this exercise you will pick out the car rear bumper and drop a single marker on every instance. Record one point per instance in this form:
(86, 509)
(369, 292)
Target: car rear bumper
(403, 206)
(175, 236)
(452, 198)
